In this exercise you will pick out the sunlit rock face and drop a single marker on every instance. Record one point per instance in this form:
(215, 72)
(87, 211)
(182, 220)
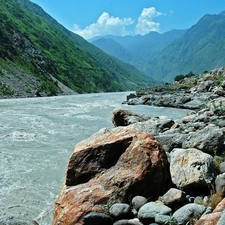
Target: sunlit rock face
(111, 166)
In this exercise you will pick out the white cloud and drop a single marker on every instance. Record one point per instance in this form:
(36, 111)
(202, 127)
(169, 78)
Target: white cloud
(145, 21)
(107, 24)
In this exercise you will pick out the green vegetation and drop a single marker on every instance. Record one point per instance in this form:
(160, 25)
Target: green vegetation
(199, 48)
(33, 41)
(181, 77)
(5, 90)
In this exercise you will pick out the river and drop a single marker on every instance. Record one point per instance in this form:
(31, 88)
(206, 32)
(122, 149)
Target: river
(37, 138)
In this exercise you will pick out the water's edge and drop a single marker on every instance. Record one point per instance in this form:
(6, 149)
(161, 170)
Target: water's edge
(37, 139)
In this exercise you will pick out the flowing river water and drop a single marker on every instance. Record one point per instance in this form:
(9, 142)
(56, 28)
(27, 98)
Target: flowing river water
(37, 138)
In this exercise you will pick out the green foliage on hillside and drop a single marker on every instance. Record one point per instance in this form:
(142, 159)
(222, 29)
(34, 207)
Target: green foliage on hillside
(59, 52)
(200, 48)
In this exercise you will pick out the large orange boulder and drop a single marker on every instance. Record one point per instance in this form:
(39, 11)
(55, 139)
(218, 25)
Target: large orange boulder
(214, 218)
(111, 167)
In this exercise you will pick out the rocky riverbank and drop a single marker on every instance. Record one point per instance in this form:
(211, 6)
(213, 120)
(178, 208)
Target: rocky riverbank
(190, 93)
(152, 170)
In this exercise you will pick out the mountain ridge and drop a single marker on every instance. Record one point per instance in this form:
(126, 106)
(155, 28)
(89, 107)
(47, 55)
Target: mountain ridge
(197, 49)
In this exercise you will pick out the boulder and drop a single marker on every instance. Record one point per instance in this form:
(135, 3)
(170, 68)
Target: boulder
(173, 196)
(190, 211)
(96, 218)
(220, 183)
(138, 202)
(191, 170)
(148, 212)
(111, 167)
(222, 167)
(123, 117)
(209, 140)
(120, 211)
(154, 126)
(171, 141)
(217, 217)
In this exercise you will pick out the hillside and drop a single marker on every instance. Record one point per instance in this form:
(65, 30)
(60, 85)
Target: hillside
(200, 48)
(136, 50)
(111, 47)
(167, 55)
(39, 56)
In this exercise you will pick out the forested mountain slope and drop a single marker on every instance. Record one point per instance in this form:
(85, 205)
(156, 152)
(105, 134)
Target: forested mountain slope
(39, 55)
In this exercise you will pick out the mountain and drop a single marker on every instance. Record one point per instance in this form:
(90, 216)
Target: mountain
(201, 48)
(136, 49)
(111, 47)
(167, 55)
(39, 55)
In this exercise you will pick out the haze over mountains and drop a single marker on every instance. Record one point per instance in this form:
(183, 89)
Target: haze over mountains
(38, 56)
(164, 56)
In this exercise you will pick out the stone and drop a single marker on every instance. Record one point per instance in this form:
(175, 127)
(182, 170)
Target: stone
(138, 202)
(191, 170)
(120, 211)
(147, 212)
(171, 141)
(95, 218)
(134, 221)
(173, 196)
(121, 222)
(163, 219)
(217, 217)
(222, 167)
(219, 91)
(190, 211)
(220, 183)
(154, 126)
(111, 167)
(123, 117)
(14, 221)
(209, 140)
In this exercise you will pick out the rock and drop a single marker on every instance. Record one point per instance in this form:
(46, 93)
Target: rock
(222, 167)
(220, 183)
(189, 118)
(131, 96)
(148, 212)
(121, 222)
(95, 218)
(191, 169)
(190, 211)
(209, 140)
(123, 117)
(14, 221)
(195, 103)
(163, 219)
(219, 91)
(138, 202)
(120, 211)
(221, 220)
(215, 218)
(173, 196)
(171, 141)
(154, 126)
(221, 123)
(134, 221)
(109, 167)
(138, 101)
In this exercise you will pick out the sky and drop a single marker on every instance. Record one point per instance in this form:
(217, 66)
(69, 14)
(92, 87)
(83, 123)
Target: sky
(90, 18)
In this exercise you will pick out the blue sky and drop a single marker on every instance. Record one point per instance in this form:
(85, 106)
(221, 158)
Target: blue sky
(90, 18)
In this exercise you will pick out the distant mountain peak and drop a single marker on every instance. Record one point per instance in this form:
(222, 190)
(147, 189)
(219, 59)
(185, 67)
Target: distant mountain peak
(222, 13)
